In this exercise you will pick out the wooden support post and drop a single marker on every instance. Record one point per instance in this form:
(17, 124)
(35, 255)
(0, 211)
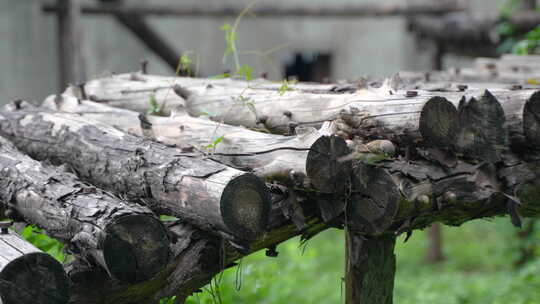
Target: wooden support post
(528, 4)
(28, 275)
(71, 61)
(138, 26)
(370, 269)
(434, 252)
(438, 56)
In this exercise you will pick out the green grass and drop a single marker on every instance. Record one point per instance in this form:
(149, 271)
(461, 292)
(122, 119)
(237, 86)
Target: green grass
(479, 269)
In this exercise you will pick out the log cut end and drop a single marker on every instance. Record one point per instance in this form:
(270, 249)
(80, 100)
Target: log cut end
(374, 202)
(483, 133)
(245, 206)
(323, 166)
(34, 278)
(135, 248)
(531, 120)
(439, 122)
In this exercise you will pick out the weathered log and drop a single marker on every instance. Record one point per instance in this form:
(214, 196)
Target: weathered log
(28, 275)
(171, 181)
(198, 257)
(525, 65)
(482, 131)
(370, 269)
(369, 114)
(374, 201)
(127, 240)
(131, 91)
(286, 159)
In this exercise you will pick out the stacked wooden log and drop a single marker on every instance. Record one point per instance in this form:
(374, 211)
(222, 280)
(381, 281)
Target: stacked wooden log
(247, 165)
(507, 72)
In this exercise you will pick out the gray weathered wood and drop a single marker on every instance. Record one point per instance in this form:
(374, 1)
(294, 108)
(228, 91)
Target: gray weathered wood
(281, 158)
(28, 275)
(131, 91)
(172, 181)
(127, 240)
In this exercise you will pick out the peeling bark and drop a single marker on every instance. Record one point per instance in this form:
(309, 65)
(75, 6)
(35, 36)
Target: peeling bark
(127, 240)
(287, 159)
(211, 196)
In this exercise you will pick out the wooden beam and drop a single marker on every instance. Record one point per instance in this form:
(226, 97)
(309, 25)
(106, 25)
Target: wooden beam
(363, 10)
(71, 61)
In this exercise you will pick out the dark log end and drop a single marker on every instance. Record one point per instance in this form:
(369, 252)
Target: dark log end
(323, 166)
(34, 278)
(439, 122)
(374, 203)
(245, 206)
(136, 247)
(483, 132)
(531, 120)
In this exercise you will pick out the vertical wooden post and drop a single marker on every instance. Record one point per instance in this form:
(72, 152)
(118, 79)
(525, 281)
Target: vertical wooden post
(72, 65)
(437, 63)
(528, 4)
(370, 269)
(434, 252)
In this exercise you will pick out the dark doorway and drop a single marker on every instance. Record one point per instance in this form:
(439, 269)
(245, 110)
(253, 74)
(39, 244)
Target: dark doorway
(308, 66)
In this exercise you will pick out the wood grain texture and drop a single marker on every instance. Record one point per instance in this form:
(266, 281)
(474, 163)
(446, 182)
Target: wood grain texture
(210, 195)
(127, 240)
(286, 159)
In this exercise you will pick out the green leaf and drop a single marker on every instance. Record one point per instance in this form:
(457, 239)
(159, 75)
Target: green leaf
(221, 76)
(245, 72)
(167, 218)
(225, 27)
(215, 142)
(208, 113)
(153, 107)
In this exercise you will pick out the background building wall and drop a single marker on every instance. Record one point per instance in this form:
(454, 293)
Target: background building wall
(366, 46)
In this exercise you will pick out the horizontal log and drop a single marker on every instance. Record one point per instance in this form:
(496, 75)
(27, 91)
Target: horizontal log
(95, 225)
(370, 113)
(131, 91)
(198, 257)
(422, 192)
(274, 11)
(426, 193)
(28, 275)
(171, 181)
(287, 159)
